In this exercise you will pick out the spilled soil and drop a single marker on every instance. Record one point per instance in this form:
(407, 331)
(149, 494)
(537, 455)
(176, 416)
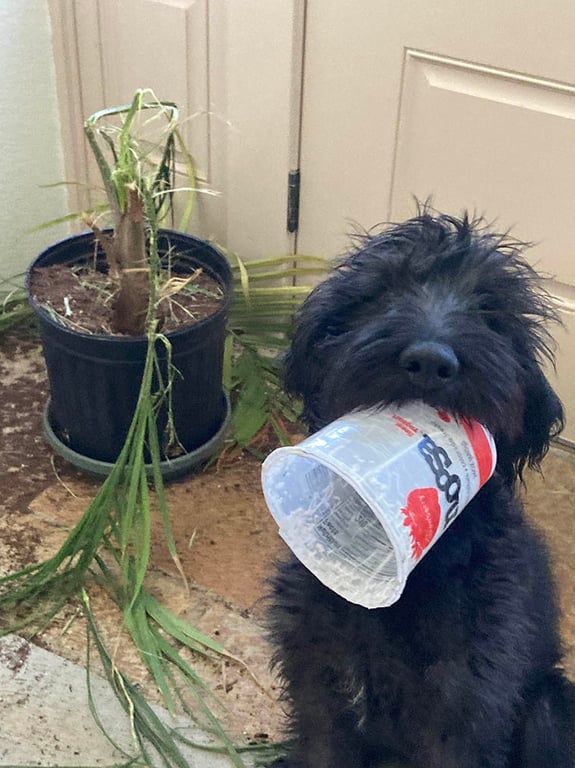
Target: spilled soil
(225, 537)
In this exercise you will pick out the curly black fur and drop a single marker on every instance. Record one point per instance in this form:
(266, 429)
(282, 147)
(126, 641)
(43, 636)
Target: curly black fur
(464, 670)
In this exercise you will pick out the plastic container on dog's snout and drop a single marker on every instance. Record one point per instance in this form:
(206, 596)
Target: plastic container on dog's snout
(361, 501)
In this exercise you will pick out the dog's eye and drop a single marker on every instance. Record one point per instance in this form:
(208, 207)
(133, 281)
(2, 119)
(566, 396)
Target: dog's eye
(487, 305)
(491, 316)
(333, 330)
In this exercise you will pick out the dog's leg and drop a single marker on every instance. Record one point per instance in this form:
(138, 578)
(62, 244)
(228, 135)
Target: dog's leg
(321, 686)
(546, 734)
(323, 731)
(320, 752)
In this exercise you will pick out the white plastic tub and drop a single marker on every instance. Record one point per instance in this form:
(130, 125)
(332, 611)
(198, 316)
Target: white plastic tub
(361, 501)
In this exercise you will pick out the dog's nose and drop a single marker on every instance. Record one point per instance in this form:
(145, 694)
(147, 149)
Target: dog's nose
(429, 365)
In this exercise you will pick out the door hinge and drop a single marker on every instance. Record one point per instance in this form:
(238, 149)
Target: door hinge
(293, 201)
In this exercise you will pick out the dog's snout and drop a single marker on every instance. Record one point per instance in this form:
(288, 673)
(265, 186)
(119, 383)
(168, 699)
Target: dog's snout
(429, 365)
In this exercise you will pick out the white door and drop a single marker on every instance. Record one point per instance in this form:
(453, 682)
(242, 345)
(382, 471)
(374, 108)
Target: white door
(472, 103)
(234, 69)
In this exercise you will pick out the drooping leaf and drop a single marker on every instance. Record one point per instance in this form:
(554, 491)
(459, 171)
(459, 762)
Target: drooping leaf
(251, 406)
(261, 319)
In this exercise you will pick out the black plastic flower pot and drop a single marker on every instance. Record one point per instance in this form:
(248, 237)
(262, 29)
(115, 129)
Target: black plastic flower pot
(95, 378)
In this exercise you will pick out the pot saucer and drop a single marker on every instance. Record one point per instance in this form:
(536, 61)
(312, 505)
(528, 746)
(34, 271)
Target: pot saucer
(170, 468)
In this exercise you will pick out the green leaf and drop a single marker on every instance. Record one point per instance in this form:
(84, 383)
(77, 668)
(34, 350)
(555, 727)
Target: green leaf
(244, 280)
(228, 361)
(180, 629)
(250, 410)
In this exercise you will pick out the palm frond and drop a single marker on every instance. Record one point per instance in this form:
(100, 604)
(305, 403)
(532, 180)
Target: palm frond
(261, 319)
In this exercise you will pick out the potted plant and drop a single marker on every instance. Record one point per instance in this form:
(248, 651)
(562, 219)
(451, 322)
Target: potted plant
(110, 545)
(99, 295)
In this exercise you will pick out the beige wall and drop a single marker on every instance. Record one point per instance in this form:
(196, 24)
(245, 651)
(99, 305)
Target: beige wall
(30, 143)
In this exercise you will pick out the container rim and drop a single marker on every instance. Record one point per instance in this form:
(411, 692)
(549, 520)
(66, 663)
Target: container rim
(87, 237)
(279, 455)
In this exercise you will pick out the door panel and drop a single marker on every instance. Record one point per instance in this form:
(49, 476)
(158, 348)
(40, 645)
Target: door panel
(482, 138)
(467, 103)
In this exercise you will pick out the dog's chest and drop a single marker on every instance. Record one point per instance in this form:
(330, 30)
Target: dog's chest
(390, 670)
(385, 698)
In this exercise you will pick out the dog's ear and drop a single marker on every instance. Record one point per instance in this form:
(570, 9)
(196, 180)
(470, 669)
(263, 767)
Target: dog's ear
(304, 371)
(543, 419)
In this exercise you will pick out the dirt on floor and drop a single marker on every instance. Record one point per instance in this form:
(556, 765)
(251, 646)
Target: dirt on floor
(226, 539)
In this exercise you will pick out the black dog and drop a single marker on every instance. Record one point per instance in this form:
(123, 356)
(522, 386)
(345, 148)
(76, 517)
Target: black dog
(464, 670)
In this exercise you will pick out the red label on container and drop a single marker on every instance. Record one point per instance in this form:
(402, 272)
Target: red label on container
(405, 425)
(481, 449)
(422, 516)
